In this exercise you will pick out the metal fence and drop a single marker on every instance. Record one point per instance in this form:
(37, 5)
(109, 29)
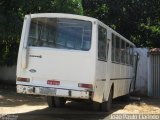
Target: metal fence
(154, 66)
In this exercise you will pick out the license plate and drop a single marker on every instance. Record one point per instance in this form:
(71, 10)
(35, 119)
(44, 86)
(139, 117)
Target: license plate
(46, 91)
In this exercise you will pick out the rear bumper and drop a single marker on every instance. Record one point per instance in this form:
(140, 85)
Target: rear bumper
(49, 91)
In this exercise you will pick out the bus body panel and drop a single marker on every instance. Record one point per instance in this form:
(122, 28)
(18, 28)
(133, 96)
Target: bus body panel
(110, 74)
(102, 82)
(71, 67)
(62, 65)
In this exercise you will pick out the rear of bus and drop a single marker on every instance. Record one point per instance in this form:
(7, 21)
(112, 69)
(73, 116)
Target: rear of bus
(57, 56)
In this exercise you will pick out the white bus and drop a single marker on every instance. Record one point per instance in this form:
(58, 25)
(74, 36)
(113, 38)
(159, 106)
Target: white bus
(65, 56)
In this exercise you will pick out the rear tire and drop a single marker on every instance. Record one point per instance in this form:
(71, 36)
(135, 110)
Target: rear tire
(56, 102)
(125, 98)
(50, 101)
(96, 106)
(59, 102)
(107, 105)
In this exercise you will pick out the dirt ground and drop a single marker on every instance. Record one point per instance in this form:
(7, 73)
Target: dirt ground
(29, 107)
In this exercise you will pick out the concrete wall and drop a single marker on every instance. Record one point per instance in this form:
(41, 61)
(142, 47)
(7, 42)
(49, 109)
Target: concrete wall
(142, 70)
(8, 74)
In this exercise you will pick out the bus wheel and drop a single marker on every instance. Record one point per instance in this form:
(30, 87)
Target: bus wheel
(106, 106)
(55, 101)
(59, 102)
(96, 106)
(50, 101)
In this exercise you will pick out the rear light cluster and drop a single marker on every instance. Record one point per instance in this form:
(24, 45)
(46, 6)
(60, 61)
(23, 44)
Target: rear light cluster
(23, 79)
(53, 82)
(82, 85)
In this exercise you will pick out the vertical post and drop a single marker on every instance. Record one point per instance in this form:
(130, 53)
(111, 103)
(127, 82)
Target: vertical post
(149, 90)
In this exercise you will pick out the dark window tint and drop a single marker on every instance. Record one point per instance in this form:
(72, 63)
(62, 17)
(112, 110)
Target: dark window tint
(102, 43)
(113, 47)
(117, 55)
(60, 33)
(127, 53)
(123, 53)
(131, 55)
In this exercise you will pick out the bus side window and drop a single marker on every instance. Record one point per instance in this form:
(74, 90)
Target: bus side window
(102, 43)
(131, 55)
(113, 47)
(127, 54)
(123, 55)
(117, 55)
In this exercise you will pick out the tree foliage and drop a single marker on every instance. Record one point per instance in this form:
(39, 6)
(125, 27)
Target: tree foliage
(11, 19)
(137, 20)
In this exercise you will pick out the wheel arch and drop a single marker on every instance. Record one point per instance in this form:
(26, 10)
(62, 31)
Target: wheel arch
(106, 95)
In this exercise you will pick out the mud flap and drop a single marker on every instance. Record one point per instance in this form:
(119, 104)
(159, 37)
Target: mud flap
(99, 91)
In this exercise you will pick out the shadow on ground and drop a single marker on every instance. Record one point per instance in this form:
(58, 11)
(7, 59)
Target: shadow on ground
(71, 111)
(9, 98)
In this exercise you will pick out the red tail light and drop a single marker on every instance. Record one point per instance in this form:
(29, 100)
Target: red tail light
(23, 79)
(53, 82)
(90, 86)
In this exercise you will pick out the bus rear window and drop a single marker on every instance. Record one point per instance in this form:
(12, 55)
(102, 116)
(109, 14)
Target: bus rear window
(60, 33)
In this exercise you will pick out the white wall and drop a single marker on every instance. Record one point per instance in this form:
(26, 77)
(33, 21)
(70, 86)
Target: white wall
(8, 74)
(142, 70)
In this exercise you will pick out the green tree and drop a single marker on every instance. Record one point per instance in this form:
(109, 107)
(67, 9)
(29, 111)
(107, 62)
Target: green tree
(11, 19)
(137, 20)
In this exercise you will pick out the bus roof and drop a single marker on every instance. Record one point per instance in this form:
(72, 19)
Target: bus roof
(63, 15)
